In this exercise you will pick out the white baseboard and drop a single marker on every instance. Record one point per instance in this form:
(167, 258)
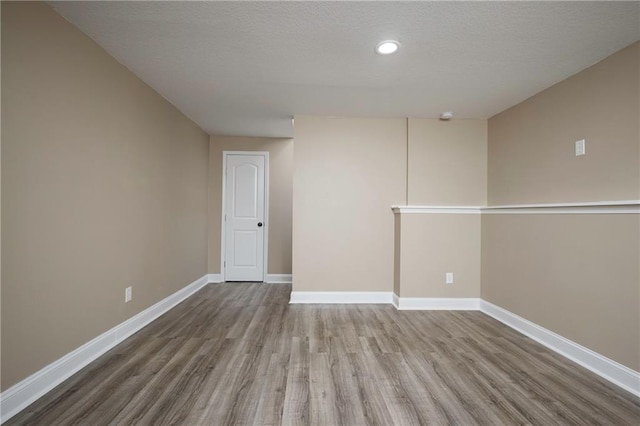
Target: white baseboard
(341, 297)
(437, 303)
(22, 394)
(376, 297)
(271, 278)
(610, 370)
(214, 278)
(278, 279)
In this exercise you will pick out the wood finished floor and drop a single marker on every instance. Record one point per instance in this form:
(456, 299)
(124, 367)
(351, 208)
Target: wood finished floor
(240, 354)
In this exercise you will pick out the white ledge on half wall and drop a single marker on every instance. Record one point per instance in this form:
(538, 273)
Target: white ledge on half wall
(437, 209)
(594, 207)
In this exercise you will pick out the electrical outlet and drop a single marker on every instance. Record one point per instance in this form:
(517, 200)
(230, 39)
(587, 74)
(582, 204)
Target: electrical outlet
(580, 147)
(449, 277)
(127, 294)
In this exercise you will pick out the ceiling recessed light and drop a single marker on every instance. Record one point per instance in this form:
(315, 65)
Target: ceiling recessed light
(446, 116)
(387, 47)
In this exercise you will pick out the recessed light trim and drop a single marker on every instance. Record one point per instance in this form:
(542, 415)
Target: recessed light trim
(387, 47)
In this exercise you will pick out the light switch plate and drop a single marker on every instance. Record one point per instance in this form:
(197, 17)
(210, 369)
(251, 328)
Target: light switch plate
(127, 294)
(580, 147)
(449, 277)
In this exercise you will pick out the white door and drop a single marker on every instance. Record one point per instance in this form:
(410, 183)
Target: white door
(244, 217)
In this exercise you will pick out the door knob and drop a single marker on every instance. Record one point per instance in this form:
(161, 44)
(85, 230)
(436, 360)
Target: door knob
(259, 224)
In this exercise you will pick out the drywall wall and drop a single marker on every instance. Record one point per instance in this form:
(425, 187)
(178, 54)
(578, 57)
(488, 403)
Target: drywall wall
(104, 186)
(434, 244)
(447, 166)
(280, 197)
(577, 275)
(447, 162)
(348, 172)
(531, 149)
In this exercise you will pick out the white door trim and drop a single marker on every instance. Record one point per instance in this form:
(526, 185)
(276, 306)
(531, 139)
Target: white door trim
(225, 155)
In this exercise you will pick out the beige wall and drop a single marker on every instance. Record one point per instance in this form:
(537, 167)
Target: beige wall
(447, 162)
(280, 197)
(348, 196)
(434, 244)
(531, 149)
(347, 174)
(447, 165)
(577, 275)
(104, 186)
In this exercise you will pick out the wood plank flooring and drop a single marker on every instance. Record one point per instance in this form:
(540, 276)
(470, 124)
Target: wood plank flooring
(238, 353)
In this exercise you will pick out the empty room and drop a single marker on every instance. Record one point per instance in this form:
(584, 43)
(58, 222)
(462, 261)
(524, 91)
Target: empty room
(320, 213)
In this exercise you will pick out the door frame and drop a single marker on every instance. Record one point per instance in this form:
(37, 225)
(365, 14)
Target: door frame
(265, 220)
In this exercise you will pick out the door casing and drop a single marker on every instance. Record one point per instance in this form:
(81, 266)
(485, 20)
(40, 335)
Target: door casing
(225, 156)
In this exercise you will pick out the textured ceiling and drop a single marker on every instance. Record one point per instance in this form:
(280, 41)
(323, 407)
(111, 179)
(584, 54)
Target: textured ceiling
(244, 68)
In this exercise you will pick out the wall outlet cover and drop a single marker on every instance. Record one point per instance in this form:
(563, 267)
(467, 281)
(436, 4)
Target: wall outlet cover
(449, 277)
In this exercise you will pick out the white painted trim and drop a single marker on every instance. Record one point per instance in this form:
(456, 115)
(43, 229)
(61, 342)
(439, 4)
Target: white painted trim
(612, 371)
(567, 210)
(437, 209)
(278, 279)
(376, 297)
(223, 228)
(214, 278)
(596, 207)
(561, 205)
(438, 303)
(341, 297)
(225, 155)
(267, 222)
(22, 394)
